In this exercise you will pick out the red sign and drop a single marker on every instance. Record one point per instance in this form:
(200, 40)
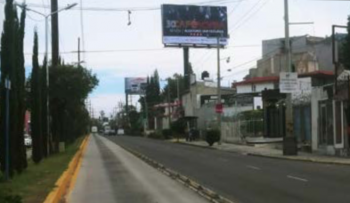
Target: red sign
(219, 108)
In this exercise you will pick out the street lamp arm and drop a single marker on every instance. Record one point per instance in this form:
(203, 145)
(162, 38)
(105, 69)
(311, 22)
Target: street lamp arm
(23, 6)
(65, 8)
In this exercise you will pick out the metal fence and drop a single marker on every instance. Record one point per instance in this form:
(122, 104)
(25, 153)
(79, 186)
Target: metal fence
(237, 130)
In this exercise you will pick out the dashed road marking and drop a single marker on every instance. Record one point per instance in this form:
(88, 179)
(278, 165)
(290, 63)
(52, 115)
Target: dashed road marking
(253, 167)
(297, 178)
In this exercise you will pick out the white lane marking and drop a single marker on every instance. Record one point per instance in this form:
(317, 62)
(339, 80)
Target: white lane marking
(253, 167)
(297, 178)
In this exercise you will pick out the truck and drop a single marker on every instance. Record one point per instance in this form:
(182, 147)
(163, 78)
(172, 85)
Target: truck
(94, 130)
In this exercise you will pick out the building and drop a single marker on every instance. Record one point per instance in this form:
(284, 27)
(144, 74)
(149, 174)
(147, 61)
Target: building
(167, 113)
(309, 54)
(197, 97)
(330, 117)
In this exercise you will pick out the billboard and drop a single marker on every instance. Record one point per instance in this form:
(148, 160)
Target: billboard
(135, 86)
(194, 25)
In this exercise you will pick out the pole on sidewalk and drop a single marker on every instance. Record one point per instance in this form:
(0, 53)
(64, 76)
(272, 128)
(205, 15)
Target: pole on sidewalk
(78, 51)
(289, 144)
(219, 87)
(7, 129)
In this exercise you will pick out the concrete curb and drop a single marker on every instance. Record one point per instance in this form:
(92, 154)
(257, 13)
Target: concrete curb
(63, 183)
(289, 158)
(201, 190)
(200, 146)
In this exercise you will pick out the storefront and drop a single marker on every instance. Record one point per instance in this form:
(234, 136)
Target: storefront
(330, 121)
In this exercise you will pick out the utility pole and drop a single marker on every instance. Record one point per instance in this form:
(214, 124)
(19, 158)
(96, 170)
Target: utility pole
(335, 55)
(178, 88)
(55, 34)
(169, 108)
(79, 52)
(219, 87)
(7, 129)
(289, 144)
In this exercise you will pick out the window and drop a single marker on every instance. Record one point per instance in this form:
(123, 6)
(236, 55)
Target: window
(253, 88)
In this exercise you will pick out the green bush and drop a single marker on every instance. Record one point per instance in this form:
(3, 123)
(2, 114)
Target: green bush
(212, 136)
(179, 126)
(167, 133)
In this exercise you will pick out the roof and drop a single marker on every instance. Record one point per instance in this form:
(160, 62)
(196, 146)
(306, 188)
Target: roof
(318, 73)
(256, 80)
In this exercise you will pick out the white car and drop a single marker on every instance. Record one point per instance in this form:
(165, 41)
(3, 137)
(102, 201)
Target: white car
(120, 132)
(27, 140)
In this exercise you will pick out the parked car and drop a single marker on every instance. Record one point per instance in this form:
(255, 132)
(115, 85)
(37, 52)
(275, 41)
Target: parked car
(27, 140)
(112, 132)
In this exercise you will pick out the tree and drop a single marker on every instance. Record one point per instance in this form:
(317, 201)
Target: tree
(22, 163)
(12, 68)
(152, 97)
(36, 100)
(171, 86)
(69, 88)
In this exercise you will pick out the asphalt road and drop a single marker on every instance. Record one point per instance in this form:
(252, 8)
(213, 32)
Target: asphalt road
(110, 174)
(249, 179)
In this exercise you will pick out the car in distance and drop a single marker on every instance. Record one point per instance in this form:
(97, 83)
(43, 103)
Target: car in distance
(27, 140)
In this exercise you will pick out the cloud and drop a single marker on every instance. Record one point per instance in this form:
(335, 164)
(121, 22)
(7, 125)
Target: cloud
(105, 102)
(109, 102)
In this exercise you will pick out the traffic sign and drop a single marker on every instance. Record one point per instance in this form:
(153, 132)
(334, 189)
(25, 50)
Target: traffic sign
(288, 82)
(219, 108)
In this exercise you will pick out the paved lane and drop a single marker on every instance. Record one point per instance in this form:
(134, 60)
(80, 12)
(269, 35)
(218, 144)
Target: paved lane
(249, 179)
(110, 174)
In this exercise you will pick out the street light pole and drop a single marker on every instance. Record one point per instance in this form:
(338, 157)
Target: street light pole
(7, 129)
(47, 16)
(219, 87)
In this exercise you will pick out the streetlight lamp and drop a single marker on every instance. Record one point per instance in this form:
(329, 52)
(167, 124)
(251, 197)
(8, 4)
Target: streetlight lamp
(47, 16)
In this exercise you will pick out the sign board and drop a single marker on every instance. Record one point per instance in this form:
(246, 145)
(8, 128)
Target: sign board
(135, 86)
(288, 82)
(194, 25)
(219, 108)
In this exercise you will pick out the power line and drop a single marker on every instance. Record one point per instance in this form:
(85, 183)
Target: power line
(105, 9)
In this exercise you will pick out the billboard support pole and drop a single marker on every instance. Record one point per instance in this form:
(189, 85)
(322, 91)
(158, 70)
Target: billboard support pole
(186, 68)
(219, 86)
(127, 108)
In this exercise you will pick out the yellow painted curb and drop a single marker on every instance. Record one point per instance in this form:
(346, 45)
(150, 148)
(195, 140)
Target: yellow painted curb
(63, 183)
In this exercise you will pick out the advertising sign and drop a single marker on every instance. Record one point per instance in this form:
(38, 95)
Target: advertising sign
(194, 25)
(288, 82)
(135, 86)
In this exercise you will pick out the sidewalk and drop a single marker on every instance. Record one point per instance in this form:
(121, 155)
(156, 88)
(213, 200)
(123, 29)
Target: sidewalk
(264, 151)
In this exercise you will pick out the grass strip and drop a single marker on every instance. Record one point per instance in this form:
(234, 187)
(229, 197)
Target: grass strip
(37, 181)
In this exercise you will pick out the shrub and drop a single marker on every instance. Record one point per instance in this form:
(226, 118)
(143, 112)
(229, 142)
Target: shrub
(167, 133)
(212, 136)
(179, 126)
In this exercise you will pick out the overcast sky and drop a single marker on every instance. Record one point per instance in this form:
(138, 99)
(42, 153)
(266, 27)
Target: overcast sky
(250, 22)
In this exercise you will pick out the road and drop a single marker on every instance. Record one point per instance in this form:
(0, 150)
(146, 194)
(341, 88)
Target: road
(110, 174)
(249, 179)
